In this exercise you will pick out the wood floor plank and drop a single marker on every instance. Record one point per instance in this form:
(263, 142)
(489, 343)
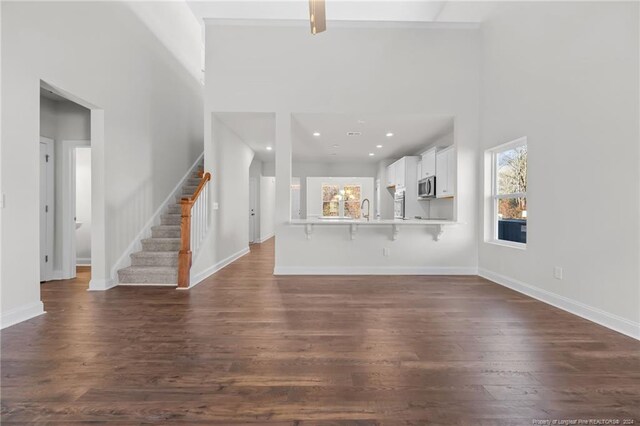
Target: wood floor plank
(246, 347)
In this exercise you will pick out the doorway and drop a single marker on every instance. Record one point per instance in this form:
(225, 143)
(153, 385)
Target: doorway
(65, 184)
(102, 278)
(76, 199)
(82, 201)
(253, 205)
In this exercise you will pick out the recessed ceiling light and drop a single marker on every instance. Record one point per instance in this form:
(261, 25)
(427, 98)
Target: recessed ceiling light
(371, 154)
(378, 146)
(389, 134)
(336, 146)
(316, 134)
(269, 148)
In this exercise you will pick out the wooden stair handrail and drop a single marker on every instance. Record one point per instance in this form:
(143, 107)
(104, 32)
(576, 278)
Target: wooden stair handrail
(206, 177)
(185, 255)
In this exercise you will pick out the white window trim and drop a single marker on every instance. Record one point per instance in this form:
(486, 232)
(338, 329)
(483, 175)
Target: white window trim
(495, 196)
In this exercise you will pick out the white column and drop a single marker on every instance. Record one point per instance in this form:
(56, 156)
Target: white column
(100, 274)
(283, 173)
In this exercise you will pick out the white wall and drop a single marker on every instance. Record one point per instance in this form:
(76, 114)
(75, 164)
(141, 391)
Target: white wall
(48, 118)
(177, 28)
(572, 90)
(229, 158)
(152, 108)
(314, 191)
(83, 205)
(267, 207)
(435, 72)
(305, 169)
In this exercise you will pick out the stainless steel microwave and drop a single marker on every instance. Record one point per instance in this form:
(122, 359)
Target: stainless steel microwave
(427, 187)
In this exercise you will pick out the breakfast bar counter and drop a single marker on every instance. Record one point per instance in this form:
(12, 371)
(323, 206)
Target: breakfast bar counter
(354, 224)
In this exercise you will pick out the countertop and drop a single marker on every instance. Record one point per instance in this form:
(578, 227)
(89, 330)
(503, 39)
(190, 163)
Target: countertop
(373, 222)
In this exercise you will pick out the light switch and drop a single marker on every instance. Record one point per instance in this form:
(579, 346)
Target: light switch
(557, 272)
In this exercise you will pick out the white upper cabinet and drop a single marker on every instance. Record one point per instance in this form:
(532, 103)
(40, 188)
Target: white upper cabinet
(428, 164)
(402, 172)
(445, 173)
(401, 167)
(391, 174)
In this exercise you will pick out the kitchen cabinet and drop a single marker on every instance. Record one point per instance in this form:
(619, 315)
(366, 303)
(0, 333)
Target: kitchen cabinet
(428, 161)
(445, 173)
(401, 168)
(403, 171)
(391, 174)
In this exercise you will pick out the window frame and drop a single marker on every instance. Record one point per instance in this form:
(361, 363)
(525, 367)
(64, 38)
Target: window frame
(322, 201)
(341, 201)
(495, 197)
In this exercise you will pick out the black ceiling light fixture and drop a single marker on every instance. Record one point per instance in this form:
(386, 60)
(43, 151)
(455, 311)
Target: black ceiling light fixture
(317, 16)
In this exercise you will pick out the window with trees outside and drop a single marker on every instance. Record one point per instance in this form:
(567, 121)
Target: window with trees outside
(330, 200)
(509, 163)
(342, 200)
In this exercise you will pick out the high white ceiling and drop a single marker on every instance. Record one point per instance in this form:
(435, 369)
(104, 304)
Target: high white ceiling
(256, 129)
(411, 133)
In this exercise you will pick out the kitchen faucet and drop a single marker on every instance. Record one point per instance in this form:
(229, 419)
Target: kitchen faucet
(368, 208)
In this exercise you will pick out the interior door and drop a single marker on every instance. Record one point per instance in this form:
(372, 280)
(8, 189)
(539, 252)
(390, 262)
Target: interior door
(46, 209)
(253, 192)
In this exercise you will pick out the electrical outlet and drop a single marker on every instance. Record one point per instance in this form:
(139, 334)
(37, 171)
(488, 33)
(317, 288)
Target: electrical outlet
(557, 273)
(215, 206)
(385, 251)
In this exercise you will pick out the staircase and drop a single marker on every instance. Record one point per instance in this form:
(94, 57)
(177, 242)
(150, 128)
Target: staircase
(157, 262)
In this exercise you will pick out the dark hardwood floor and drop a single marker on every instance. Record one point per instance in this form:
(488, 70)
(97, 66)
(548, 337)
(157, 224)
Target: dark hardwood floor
(248, 347)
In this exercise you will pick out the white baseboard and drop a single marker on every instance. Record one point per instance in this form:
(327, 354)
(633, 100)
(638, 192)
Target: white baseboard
(606, 319)
(21, 313)
(146, 285)
(374, 270)
(198, 278)
(83, 261)
(101, 284)
(266, 237)
(124, 260)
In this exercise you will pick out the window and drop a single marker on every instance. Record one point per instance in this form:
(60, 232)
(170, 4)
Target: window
(341, 200)
(352, 201)
(509, 192)
(330, 200)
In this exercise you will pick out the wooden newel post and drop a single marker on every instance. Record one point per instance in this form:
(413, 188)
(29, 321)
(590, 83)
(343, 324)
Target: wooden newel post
(184, 256)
